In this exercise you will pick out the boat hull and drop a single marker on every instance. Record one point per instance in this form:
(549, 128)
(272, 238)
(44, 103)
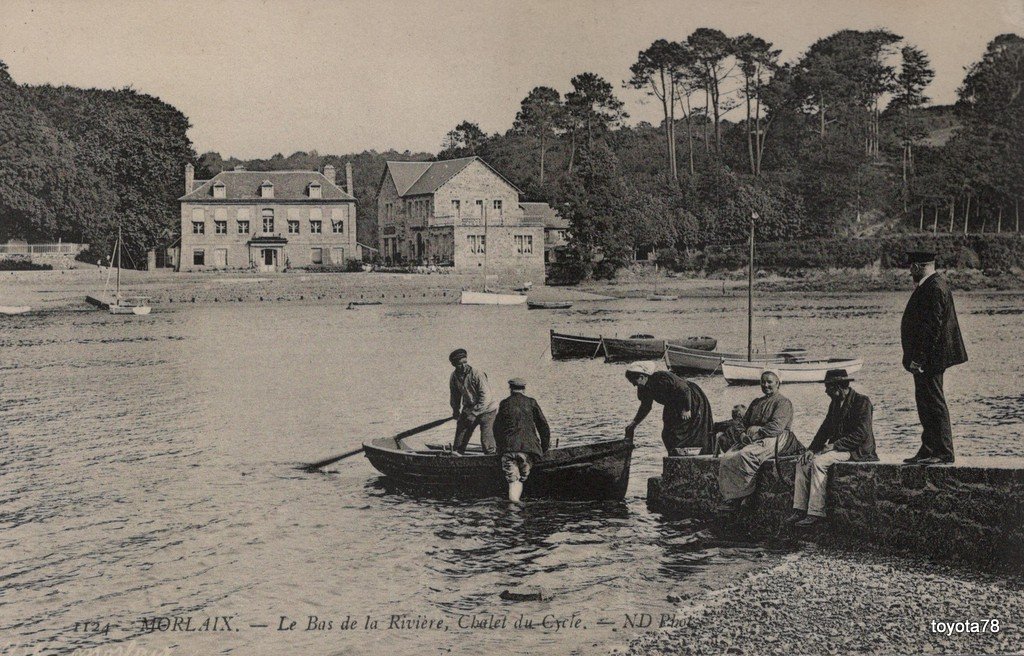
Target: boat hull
(595, 471)
(549, 305)
(808, 371)
(566, 347)
(14, 309)
(682, 360)
(489, 298)
(139, 310)
(628, 350)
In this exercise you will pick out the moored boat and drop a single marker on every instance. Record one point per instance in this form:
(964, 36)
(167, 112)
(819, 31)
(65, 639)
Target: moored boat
(798, 371)
(646, 347)
(14, 309)
(595, 470)
(683, 360)
(564, 347)
(491, 298)
(548, 305)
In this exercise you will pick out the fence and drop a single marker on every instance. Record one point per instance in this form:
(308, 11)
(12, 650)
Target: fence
(42, 249)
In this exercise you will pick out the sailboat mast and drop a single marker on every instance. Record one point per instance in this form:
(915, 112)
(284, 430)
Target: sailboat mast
(486, 245)
(750, 294)
(117, 289)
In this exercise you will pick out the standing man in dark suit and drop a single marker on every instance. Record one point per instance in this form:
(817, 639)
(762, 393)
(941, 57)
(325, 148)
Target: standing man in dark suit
(522, 435)
(931, 344)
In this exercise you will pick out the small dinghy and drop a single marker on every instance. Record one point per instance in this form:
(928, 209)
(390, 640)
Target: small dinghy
(14, 309)
(799, 371)
(548, 305)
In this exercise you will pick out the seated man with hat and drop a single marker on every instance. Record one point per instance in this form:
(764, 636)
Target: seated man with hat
(845, 435)
(473, 403)
(686, 418)
(517, 427)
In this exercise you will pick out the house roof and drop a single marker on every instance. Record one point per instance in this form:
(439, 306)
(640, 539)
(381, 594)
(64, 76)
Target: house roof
(544, 212)
(288, 185)
(417, 178)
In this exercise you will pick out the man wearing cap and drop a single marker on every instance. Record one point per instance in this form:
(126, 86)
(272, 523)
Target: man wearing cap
(522, 435)
(768, 422)
(932, 343)
(845, 435)
(686, 416)
(473, 404)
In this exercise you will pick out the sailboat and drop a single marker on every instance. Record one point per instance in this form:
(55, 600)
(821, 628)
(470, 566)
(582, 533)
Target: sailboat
(128, 304)
(487, 297)
(795, 368)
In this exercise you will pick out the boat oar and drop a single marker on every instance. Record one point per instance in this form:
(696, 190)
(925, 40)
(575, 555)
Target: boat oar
(312, 467)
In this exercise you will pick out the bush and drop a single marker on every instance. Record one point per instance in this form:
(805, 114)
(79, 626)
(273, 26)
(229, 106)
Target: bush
(353, 265)
(23, 265)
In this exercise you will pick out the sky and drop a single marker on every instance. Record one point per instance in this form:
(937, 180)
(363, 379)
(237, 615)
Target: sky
(257, 78)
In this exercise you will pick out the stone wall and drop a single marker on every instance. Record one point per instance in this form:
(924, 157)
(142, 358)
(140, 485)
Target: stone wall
(972, 512)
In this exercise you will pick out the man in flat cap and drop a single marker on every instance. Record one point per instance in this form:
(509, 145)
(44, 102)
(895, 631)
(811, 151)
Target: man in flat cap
(473, 403)
(522, 434)
(686, 416)
(845, 435)
(931, 344)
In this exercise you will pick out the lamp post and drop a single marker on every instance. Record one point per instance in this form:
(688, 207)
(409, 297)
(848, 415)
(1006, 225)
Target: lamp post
(754, 216)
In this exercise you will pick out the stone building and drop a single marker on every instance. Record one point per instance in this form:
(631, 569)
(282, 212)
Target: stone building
(556, 229)
(267, 220)
(461, 213)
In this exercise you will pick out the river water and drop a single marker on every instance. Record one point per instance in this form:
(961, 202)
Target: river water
(149, 470)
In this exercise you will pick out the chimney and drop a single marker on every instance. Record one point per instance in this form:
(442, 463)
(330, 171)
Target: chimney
(190, 178)
(348, 178)
(329, 173)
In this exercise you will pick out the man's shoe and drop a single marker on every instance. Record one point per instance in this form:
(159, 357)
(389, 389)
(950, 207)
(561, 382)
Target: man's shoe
(936, 460)
(808, 521)
(912, 460)
(795, 517)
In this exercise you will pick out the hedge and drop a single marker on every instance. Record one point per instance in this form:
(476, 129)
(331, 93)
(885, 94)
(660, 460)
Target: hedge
(978, 251)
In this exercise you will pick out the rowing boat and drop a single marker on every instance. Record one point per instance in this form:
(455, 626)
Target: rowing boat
(549, 305)
(596, 470)
(564, 347)
(646, 347)
(800, 371)
(682, 360)
(14, 309)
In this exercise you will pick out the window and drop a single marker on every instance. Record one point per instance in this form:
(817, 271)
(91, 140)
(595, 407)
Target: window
(337, 227)
(198, 214)
(497, 206)
(198, 228)
(316, 255)
(477, 244)
(220, 227)
(479, 209)
(315, 190)
(524, 244)
(243, 227)
(219, 190)
(293, 227)
(268, 220)
(267, 190)
(457, 208)
(316, 227)
(317, 213)
(199, 257)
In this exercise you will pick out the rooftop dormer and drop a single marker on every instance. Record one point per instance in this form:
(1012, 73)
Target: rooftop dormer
(315, 190)
(266, 189)
(219, 190)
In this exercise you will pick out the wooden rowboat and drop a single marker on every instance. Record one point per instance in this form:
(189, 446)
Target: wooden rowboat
(564, 347)
(682, 360)
(597, 470)
(646, 347)
(549, 305)
(14, 309)
(802, 371)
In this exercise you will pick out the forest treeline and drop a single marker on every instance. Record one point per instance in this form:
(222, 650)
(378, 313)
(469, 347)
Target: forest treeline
(840, 142)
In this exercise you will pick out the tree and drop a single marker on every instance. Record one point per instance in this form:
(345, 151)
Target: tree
(711, 49)
(540, 115)
(591, 107)
(465, 139)
(915, 74)
(658, 70)
(757, 62)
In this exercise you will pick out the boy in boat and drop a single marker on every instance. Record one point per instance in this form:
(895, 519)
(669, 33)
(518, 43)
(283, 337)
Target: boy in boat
(845, 435)
(687, 413)
(473, 403)
(517, 426)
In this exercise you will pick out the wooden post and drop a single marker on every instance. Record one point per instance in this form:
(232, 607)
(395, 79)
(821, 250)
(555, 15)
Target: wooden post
(967, 213)
(952, 203)
(921, 222)
(935, 223)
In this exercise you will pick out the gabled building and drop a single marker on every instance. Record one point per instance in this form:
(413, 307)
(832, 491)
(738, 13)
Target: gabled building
(556, 229)
(267, 220)
(458, 212)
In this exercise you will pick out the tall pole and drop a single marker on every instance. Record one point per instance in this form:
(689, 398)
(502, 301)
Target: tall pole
(750, 293)
(117, 292)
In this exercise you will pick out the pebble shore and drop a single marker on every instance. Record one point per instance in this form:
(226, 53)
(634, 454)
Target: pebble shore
(823, 601)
